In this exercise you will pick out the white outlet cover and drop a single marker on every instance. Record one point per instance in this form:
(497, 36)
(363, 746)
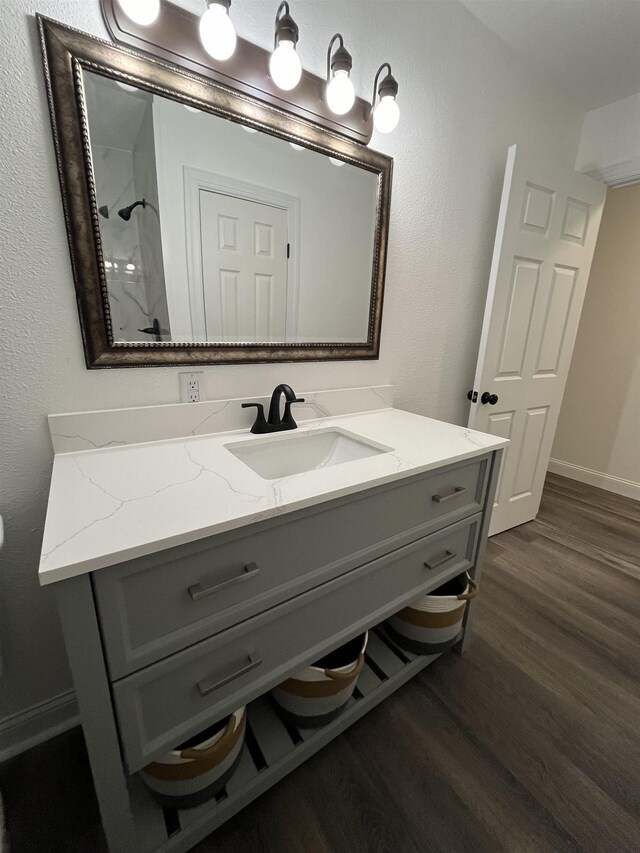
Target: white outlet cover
(190, 387)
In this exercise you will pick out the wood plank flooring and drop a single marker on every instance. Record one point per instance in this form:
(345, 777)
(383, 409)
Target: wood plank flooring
(530, 742)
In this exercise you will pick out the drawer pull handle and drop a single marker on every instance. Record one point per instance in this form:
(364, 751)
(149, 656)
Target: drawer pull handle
(197, 591)
(206, 687)
(448, 555)
(440, 499)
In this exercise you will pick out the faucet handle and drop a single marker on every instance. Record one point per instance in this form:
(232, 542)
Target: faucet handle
(260, 424)
(287, 421)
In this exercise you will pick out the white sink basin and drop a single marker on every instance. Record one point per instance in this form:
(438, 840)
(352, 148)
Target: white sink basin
(296, 452)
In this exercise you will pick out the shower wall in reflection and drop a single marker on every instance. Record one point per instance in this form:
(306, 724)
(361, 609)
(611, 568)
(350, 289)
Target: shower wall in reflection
(125, 171)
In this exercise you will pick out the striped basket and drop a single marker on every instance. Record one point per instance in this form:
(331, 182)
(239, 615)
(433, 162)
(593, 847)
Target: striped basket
(319, 693)
(199, 768)
(431, 624)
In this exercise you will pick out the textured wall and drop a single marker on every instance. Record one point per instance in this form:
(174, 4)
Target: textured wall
(464, 99)
(603, 388)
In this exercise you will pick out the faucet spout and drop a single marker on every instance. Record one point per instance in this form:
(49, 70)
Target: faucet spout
(275, 422)
(274, 417)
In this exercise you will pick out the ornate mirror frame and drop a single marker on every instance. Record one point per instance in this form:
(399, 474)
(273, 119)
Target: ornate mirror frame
(66, 53)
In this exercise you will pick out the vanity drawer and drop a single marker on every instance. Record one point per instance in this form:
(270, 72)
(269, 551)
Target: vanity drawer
(154, 606)
(162, 705)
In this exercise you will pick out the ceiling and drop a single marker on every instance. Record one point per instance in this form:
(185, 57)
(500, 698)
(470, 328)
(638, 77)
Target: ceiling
(589, 49)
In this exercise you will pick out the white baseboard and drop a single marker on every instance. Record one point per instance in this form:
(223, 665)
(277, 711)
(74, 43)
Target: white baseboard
(596, 478)
(37, 724)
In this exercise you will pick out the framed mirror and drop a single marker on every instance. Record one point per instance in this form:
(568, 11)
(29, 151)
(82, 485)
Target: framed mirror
(206, 226)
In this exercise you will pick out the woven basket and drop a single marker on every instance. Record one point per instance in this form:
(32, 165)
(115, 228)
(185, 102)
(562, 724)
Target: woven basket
(319, 693)
(199, 768)
(432, 623)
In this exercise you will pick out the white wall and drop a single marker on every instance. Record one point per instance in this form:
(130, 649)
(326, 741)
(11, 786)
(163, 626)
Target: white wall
(337, 217)
(464, 98)
(598, 435)
(610, 142)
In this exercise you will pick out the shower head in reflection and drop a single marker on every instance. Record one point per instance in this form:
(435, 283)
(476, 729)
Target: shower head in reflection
(125, 212)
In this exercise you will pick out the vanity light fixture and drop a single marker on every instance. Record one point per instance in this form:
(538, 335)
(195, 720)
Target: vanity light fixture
(217, 33)
(386, 113)
(340, 92)
(142, 12)
(218, 37)
(285, 67)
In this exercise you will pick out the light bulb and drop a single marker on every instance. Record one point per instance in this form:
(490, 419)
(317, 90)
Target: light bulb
(386, 114)
(285, 66)
(340, 93)
(217, 32)
(336, 162)
(143, 12)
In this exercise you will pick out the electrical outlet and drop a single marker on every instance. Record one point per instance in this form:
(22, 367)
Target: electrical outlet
(190, 387)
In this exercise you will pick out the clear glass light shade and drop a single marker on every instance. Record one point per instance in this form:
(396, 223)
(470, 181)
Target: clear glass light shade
(296, 147)
(285, 66)
(217, 33)
(143, 12)
(341, 94)
(336, 162)
(126, 86)
(386, 114)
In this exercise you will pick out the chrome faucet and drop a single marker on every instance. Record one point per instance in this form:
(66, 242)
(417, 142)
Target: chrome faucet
(275, 423)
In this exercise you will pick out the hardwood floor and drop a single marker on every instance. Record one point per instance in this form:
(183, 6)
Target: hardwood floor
(530, 742)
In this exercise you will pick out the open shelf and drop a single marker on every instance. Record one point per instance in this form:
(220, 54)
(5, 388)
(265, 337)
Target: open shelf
(272, 750)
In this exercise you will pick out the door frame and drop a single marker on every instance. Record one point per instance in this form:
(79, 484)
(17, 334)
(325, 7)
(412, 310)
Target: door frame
(196, 180)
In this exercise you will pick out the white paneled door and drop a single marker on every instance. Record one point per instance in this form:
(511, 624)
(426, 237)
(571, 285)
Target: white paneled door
(547, 229)
(244, 268)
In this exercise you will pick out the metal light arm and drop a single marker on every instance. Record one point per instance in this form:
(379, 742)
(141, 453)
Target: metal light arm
(392, 85)
(336, 37)
(284, 25)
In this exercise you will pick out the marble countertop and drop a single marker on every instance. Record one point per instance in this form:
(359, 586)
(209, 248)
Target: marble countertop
(117, 503)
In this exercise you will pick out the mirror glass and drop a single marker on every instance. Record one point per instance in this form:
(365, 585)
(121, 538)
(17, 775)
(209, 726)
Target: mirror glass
(214, 232)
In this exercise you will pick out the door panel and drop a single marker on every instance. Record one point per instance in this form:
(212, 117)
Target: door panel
(244, 268)
(547, 229)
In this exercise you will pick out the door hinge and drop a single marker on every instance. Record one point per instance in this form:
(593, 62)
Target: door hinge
(288, 250)
(473, 396)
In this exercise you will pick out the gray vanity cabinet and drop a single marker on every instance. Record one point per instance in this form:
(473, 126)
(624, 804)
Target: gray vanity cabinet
(164, 645)
(160, 604)
(164, 704)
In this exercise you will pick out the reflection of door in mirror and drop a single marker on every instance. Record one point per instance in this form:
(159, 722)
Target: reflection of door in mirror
(244, 268)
